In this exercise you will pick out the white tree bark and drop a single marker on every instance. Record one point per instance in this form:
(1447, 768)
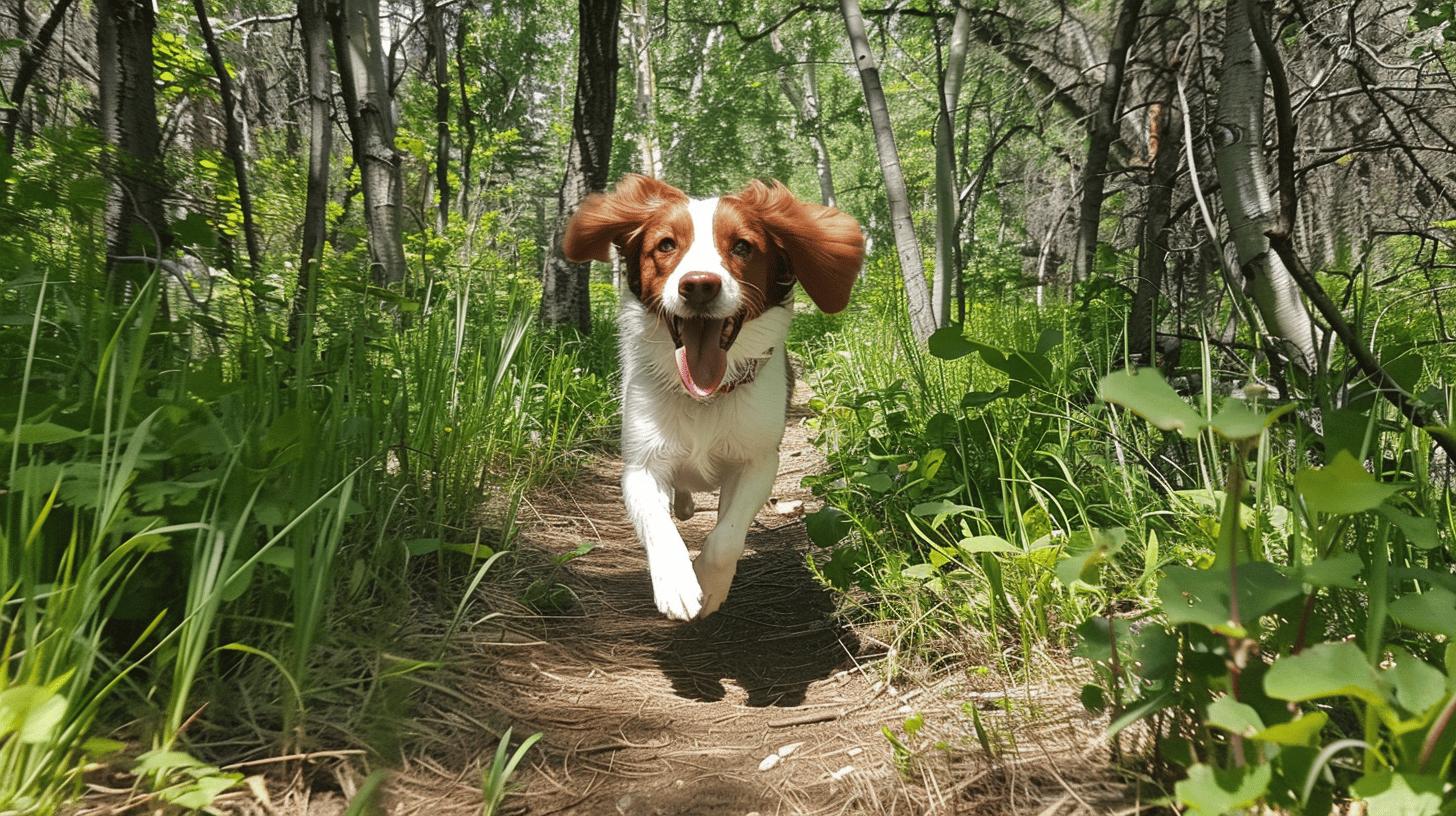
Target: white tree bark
(947, 201)
(639, 42)
(907, 247)
(1244, 185)
(804, 96)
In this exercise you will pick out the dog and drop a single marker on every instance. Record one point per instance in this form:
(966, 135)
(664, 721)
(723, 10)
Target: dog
(703, 320)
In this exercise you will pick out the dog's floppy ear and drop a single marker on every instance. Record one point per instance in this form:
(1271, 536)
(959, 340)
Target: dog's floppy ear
(607, 219)
(823, 246)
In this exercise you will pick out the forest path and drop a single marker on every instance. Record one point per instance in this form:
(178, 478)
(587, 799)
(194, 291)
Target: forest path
(642, 715)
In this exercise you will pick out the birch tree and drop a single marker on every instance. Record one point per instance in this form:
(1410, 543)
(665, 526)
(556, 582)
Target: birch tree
(314, 33)
(907, 247)
(1102, 132)
(1244, 186)
(802, 91)
(369, 107)
(644, 104)
(947, 201)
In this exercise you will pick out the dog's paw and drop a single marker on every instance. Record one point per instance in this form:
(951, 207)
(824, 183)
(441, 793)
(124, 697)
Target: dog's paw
(677, 592)
(682, 504)
(715, 578)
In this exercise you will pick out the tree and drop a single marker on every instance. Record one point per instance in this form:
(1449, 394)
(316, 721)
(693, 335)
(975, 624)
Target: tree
(313, 27)
(565, 297)
(440, 61)
(233, 143)
(644, 103)
(1244, 185)
(31, 55)
(907, 246)
(369, 106)
(1102, 132)
(947, 202)
(803, 93)
(135, 221)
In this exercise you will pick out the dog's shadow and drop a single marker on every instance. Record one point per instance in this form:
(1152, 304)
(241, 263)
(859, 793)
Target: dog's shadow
(776, 634)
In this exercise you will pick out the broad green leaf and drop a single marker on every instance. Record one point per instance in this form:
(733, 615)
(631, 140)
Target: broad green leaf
(1235, 420)
(949, 343)
(1216, 792)
(1148, 395)
(1419, 686)
(1336, 571)
(1234, 717)
(1393, 794)
(1342, 487)
(975, 545)
(939, 511)
(919, 572)
(827, 526)
(200, 792)
(1094, 638)
(1324, 670)
(1085, 552)
(160, 760)
(1420, 532)
(1303, 731)
(1202, 596)
(1432, 611)
(1093, 699)
(32, 713)
(41, 433)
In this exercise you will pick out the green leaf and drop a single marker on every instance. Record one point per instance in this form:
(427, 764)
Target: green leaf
(1201, 597)
(1148, 395)
(1342, 487)
(975, 545)
(1235, 420)
(919, 572)
(949, 343)
(939, 511)
(1085, 552)
(1420, 532)
(1432, 611)
(1234, 717)
(827, 526)
(1419, 686)
(1336, 571)
(41, 433)
(200, 792)
(1300, 732)
(33, 713)
(1093, 698)
(1393, 794)
(1216, 792)
(159, 760)
(1324, 670)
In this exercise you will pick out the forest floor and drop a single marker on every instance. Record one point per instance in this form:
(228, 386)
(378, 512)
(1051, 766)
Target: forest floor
(642, 715)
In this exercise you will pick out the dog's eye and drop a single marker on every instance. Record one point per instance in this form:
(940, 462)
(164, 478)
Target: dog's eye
(666, 245)
(742, 248)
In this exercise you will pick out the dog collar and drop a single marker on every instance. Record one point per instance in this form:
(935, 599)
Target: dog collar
(747, 374)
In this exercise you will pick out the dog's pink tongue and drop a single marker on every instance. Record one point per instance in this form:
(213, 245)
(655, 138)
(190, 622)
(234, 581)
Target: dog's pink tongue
(701, 362)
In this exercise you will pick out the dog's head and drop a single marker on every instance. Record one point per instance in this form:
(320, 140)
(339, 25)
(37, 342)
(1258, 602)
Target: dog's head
(708, 266)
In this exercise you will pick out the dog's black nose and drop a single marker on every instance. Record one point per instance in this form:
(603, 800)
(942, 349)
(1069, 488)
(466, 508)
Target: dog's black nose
(699, 288)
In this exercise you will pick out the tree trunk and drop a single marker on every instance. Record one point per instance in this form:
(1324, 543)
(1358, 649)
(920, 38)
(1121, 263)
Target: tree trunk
(1244, 186)
(1102, 132)
(805, 99)
(466, 116)
(1165, 157)
(639, 40)
(31, 55)
(435, 16)
(711, 39)
(233, 145)
(912, 268)
(565, 297)
(135, 220)
(360, 55)
(947, 202)
(313, 26)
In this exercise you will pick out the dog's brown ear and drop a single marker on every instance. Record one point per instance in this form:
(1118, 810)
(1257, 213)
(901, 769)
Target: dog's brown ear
(607, 219)
(823, 246)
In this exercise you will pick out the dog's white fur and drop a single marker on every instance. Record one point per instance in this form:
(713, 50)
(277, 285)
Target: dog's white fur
(673, 445)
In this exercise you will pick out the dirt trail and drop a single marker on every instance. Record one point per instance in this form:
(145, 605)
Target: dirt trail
(641, 715)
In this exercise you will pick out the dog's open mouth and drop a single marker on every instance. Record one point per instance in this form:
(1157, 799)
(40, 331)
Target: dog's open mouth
(702, 350)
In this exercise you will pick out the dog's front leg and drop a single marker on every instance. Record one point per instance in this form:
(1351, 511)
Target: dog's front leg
(674, 584)
(745, 489)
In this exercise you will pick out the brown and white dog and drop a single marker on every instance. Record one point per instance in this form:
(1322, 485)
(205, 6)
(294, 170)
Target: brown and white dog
(705, 375)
